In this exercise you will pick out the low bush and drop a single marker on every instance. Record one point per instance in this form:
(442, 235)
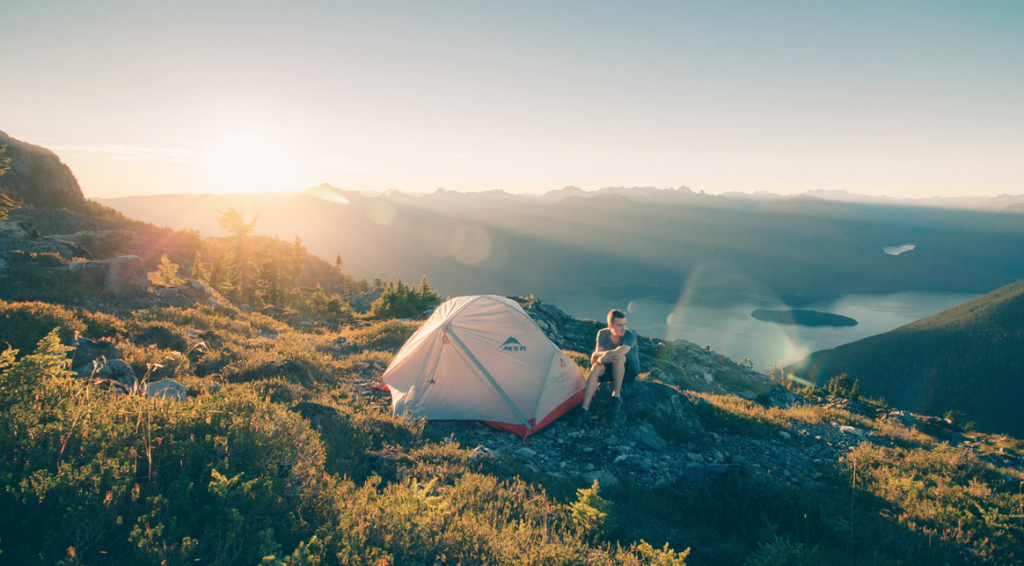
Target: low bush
(381, 335)
(234, 478)
(23, 325)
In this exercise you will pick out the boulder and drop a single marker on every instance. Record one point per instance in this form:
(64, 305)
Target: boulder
(648, 437)
(780, 397)
(166, 389)
(87, 350)
(362, 302)
(201, 290)
(17, 230)
(126, 277)
(113, 370)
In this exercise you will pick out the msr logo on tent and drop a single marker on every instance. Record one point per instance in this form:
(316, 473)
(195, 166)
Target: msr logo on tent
(512, 345)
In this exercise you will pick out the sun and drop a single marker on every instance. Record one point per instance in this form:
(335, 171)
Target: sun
(249, 161)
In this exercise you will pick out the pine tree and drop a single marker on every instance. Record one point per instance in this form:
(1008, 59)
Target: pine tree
(167, 272)
(336, 273)
(200, 270)
(298, 259)
(233, 223)
(6, 205)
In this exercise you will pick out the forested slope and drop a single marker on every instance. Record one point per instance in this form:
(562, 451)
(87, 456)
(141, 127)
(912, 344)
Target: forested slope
(969, 358)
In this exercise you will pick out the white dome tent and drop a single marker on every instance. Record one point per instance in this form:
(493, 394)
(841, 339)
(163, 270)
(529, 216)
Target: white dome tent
(483, 358)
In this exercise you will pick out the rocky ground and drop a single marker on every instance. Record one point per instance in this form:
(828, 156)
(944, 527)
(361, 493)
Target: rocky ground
(662, 434)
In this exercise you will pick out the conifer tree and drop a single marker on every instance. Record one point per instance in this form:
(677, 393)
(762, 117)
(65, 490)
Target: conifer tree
(234, 224)
(336, 274)
(200, 270)
(167, 272)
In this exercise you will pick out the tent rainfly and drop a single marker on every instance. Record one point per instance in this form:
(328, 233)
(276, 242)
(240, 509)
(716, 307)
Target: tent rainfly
(483, 358)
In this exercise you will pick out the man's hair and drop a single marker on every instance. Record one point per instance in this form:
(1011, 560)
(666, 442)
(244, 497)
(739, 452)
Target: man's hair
(613, 314)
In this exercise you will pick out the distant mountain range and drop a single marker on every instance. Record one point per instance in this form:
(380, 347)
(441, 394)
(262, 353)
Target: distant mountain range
(685, 194)
(799, 249)
(969, 358)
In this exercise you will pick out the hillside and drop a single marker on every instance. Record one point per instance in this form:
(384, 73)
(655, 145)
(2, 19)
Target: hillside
(210, 434)
(37, 177)
(969, 358)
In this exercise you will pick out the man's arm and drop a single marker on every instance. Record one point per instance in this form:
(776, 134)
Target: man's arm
(609, 356)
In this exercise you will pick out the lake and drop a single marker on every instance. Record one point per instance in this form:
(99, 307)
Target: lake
(730, 330)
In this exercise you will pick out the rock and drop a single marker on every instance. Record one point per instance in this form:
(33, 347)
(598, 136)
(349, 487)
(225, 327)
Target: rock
(166, 389)
(361, 365)
(17, 230)
(212, 303)
(748, 395)
(740, 460)
(125, 277)
(708, 378)
(845, 429)
(201, 290)
(525, 452)
(602, 477)
(780, 397)
(647, 436)
(114, 370)
(87, 350)
(361, 303)
(694, 457)
(785, 435)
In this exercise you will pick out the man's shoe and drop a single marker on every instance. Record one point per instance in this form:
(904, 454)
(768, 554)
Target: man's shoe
(617, 404)
(583, 417)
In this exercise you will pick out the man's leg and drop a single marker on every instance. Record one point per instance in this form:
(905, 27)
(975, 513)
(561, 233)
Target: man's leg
(618, 371)
(596, 372)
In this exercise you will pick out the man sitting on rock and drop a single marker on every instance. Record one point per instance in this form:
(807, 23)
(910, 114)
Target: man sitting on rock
(616, 358)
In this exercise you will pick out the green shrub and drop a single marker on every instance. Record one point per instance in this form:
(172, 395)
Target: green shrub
(23, 325)
(590, 511)
(102, 325)
(843, 386)
(231, 478)
(779, 552)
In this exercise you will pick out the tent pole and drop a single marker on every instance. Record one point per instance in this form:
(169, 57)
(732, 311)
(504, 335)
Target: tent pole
(487, 374)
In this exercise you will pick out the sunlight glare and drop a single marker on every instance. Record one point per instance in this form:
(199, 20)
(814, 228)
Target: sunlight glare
(249, 161)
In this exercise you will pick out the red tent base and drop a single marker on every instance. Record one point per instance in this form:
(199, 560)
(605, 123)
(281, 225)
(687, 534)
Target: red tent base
(522, 432)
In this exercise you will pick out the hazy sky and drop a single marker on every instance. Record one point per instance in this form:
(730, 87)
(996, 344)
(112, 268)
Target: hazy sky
(914, 99)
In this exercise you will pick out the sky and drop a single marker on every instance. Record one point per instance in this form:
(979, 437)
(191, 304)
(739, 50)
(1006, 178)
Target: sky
(908, 99)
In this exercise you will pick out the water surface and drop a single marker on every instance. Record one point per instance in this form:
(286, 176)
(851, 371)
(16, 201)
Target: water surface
(730, 330)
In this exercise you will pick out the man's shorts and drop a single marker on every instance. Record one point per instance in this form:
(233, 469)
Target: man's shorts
(631, 372)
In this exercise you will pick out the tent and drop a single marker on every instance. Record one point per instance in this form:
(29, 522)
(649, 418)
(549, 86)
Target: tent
(483, 358)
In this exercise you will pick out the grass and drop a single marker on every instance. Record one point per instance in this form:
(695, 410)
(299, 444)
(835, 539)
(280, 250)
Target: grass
(236, 476)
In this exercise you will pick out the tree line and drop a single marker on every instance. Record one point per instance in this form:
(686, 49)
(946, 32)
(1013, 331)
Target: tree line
(262, 271)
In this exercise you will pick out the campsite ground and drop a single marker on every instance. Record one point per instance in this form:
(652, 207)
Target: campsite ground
(707, 455)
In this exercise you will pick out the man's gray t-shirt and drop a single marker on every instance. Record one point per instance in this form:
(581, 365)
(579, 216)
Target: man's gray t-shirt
(604, 342)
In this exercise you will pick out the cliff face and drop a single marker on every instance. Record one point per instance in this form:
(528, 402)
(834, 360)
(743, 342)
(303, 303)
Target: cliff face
(38, 177)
